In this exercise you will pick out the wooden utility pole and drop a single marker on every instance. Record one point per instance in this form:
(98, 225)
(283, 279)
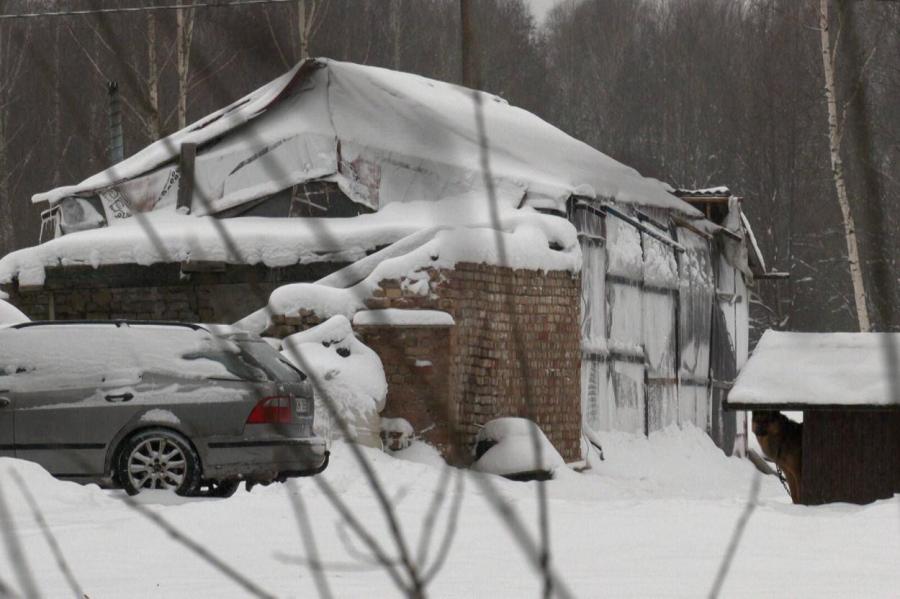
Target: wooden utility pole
(469, 46)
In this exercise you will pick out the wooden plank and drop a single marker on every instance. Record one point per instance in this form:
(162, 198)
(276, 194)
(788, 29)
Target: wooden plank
(848, 457)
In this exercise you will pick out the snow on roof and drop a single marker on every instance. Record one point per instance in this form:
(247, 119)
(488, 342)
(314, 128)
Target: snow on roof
(384, 136)
(285, 241)
(403, 318)
(182, 238)
(720, 191)
(799, 370)
(200, 132)
(522, 238)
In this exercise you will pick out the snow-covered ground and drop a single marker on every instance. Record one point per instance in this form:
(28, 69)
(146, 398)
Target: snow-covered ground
(653, 520)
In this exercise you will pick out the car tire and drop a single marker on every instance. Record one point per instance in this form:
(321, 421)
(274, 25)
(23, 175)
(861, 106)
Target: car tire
(158, 458)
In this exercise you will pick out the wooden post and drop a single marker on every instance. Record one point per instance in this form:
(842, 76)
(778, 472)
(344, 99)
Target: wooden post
(468, 45)
(186, 180)
(116, 150)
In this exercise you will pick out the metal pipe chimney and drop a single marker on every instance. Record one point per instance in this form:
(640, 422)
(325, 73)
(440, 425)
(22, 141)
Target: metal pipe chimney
(116, 145)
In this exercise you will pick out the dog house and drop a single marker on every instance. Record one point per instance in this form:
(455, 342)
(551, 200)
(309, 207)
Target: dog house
(848, 388)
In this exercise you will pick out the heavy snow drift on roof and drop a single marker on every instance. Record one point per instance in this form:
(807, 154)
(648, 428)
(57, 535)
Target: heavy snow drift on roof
(285, 241)
(520, 238)
(384, 136)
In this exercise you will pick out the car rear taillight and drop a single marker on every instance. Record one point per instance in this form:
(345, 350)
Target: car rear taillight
(271, 410)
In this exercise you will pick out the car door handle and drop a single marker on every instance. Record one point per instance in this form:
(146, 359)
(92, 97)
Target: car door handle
(119, 398)
(4, 402)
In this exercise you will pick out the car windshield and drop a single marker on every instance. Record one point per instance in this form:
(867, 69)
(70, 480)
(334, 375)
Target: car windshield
(264, 357)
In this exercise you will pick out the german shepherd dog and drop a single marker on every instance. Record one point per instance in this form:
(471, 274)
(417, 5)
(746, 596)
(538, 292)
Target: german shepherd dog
(781, 440)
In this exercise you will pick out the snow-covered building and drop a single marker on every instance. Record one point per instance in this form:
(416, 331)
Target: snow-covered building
(559, 284)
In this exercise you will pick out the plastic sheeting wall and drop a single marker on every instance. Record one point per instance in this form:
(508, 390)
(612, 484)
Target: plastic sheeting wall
(648, 328)
(697, 293)
(624, 278)
(659, 302)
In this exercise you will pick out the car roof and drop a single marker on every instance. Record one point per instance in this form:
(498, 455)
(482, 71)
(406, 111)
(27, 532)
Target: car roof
(117, 323)
(221, 331)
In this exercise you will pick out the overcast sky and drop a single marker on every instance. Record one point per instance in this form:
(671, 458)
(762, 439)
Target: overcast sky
(542, 7)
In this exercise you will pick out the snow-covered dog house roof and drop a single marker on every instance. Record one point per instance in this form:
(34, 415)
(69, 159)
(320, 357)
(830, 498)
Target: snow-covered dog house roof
(382, 135)
(815, 371)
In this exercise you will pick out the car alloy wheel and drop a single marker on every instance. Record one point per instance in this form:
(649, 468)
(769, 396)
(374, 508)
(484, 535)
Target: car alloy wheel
(159, 459)
(157, 464)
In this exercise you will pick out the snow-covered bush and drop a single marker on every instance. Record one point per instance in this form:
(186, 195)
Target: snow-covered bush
(348, 372)
(506, 446)
(9, 314)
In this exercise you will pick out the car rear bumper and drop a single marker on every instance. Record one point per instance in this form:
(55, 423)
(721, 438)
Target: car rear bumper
(264, 460)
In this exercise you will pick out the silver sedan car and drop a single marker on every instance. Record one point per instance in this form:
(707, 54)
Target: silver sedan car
(154, 405)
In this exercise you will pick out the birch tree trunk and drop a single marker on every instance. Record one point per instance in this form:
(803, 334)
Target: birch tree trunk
(837, 170)
(153, 123)
(184, 33)
(309, 16)
(304, 19)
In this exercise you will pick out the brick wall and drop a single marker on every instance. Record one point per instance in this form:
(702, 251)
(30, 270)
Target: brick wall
(516, 350)
(215, 293)
(417, 365)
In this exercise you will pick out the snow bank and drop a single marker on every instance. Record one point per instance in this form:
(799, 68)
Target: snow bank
(840, 369)
(644, 539)
(399, 318)
(347, 372)
(513, 451)
(421, 453)
(9, 314)
(672, 462)
(521, 238)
